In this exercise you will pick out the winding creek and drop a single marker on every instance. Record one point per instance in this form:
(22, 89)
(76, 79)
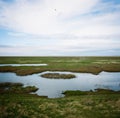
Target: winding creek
(53, 87)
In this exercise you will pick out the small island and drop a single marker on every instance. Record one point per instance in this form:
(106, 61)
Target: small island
(58, 76)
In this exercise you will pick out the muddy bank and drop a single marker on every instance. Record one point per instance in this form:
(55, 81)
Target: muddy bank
(22, 71)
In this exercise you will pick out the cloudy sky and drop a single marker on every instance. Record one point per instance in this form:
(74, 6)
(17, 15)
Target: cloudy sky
(59, 27)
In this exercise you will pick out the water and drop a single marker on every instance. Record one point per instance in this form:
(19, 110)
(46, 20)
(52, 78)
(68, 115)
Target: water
(23, 64)
(53, 88)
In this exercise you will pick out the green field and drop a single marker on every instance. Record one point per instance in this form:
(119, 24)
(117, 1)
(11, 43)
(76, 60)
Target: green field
(74, 64)
(78, 106)
(15, 103)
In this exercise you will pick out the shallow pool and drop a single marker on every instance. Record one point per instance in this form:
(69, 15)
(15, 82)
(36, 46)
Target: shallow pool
(23, 64)
(53, 87)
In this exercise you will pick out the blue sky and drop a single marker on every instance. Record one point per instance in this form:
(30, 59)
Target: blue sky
(59, 28)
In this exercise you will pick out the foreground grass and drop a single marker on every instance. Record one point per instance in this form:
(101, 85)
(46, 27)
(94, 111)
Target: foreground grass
(78, 105)
(17, 103)
(74, 64)
(83, 106)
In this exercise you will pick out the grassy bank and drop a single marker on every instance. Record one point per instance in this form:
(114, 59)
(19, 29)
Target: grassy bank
(8, 87)
(96, 92)
(17, 103)
(82, 106)
(74, 64)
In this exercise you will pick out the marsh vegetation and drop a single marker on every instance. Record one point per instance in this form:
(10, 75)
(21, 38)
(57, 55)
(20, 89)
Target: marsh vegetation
(93, 65)
(91, 92)
(9, 87)
(58, 76)
(16, 102)
(19, 105)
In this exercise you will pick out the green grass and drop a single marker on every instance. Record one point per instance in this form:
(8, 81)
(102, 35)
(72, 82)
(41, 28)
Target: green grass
(84, 106)
(49, 60)
(74, 64)
(76, 104)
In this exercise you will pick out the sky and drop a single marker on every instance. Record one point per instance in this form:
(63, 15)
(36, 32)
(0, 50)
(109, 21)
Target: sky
(59, 27)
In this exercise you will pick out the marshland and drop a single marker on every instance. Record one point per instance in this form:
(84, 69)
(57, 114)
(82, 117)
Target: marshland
(89, 87)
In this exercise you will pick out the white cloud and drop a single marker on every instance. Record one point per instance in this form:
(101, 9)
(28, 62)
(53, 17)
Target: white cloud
(42, 16)
(16, 34)
(72, 25)
(97, 25)
(64, 47)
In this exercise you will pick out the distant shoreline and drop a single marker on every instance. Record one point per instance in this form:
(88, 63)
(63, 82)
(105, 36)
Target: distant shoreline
(89, 64)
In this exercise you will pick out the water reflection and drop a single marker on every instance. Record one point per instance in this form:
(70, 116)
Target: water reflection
(23, 64)
(54, 87)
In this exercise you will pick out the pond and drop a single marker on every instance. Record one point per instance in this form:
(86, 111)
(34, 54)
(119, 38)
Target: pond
(53, 88)
(23, 64)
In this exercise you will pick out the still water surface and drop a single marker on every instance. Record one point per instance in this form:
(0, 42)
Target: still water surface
(23, 64)
(53, 87)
